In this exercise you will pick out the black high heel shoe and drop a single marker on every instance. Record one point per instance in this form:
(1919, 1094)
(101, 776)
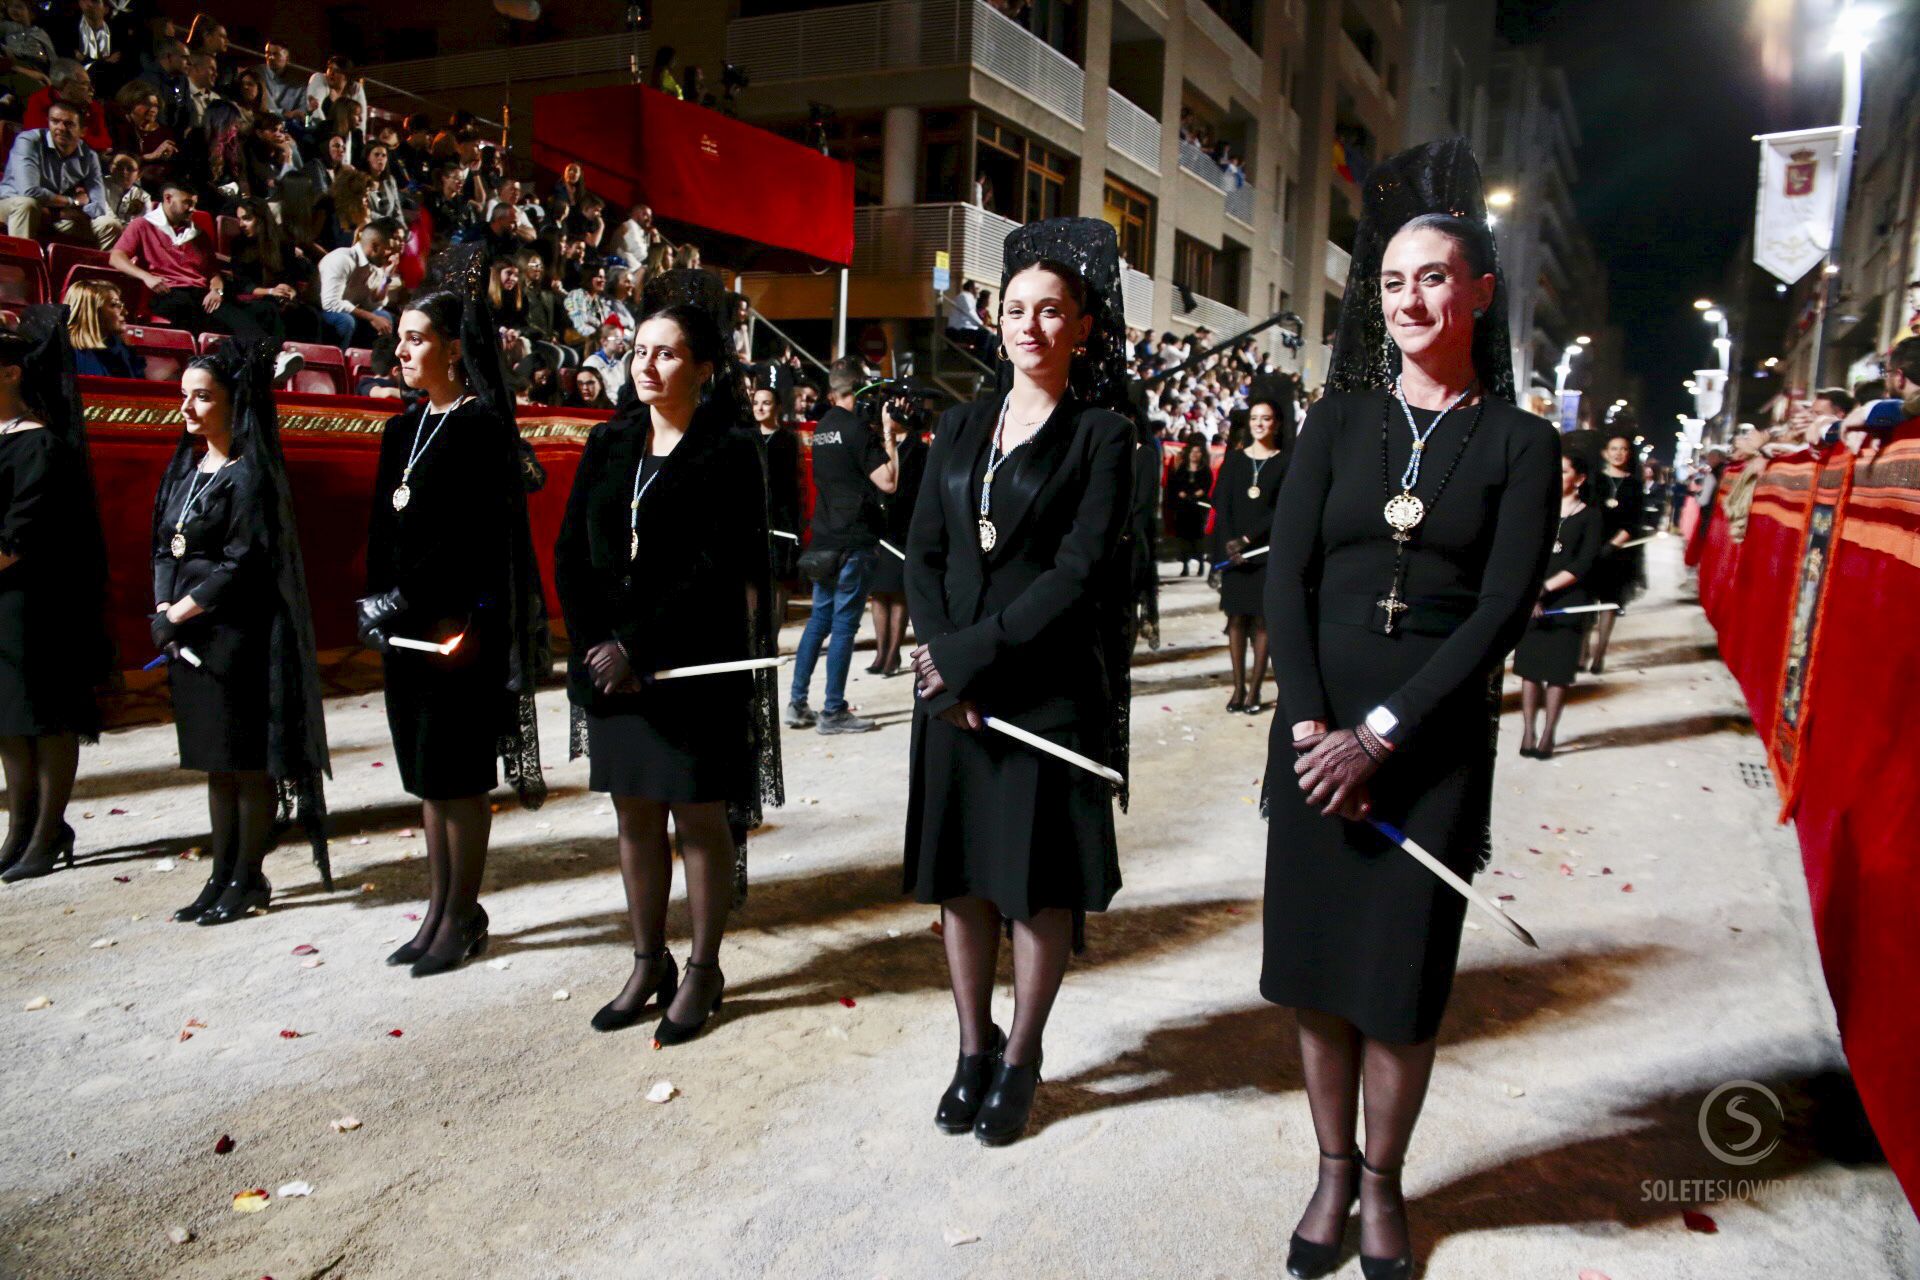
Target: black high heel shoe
(612, 1019)
(16, 848)
(1529, 753)
(1309, 1259)
(32, 866)
(472, 942)
(1009, 1103)
(670, 1032)
(972, 1075)
(209, 894)
(1237, 703)
(1400, 1268)
(237, 903)
(406, 953)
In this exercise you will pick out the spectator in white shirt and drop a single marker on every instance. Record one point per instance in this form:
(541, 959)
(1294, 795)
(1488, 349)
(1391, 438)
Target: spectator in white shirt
(356, 284)
(634, 239)
(509, 197)
(611, 360)
(337, 81)
(963, 318)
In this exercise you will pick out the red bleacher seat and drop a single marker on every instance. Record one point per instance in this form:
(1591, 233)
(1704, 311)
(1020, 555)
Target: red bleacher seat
(359, 365)
(63, 258)
(23, 272)
(167, 351)
(132, 292)
(326, 371)
(210, 342)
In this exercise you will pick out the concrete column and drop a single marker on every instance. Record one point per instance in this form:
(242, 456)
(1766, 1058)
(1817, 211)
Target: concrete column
(1319, 71)
(1097, 62)
(900, 155)
(1167, 210)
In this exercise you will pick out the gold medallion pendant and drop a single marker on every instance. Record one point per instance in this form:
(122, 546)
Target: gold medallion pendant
(178, 546)
(988, 535)
(1613, 502)
(1404, 511)
(401, 497)
(1253, 491)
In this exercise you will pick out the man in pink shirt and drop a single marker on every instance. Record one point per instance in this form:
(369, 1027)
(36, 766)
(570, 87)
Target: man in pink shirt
(175, 259)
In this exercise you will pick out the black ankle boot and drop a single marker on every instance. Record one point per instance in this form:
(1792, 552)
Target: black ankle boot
(972, 1075)
(1009, 1102)
(238, 902)
(1309, 1259)
(610, 1018)
(31, 866)
(670, 1032)
(470, 941)
(1398, 1268)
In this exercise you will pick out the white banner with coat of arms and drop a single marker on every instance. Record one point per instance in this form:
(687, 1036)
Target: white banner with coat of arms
(1794, 219)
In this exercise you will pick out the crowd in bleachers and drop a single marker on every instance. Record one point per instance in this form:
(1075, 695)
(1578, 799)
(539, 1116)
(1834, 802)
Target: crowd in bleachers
(173, 189)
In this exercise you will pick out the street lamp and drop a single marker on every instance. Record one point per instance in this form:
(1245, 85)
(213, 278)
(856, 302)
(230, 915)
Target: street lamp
(1852, 32)
(1703, 304)
(1500, 199)
(1565, 367)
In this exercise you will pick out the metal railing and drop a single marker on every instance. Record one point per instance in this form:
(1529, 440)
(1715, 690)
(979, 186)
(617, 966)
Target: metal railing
(1137, 288)
(1217, 316)
(1240, 205)
(902, 239)
(896, 35)
(1339, 261)
(1243, 63)
(589, 55)
(1195, 160)
(1132, 132)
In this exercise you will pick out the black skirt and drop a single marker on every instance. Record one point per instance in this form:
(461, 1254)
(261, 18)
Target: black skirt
(889, 573)
(1618, 577)
(682, 741)
(446, 714)
(1355, 926)
(220, 718)
(988, 817)
(1549, 652)
(1241, 589)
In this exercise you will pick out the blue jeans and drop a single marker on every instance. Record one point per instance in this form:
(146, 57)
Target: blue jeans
(348, 330)
(836, 609)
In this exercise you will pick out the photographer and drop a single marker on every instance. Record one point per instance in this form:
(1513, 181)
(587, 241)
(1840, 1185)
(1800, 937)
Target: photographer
(903, 421)
(853, 465)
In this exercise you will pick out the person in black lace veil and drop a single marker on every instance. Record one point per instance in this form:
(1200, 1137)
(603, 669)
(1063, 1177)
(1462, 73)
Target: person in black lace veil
(450, 562)
(55, 653)
(1244, 495)
(231, 615)
(1547, 659)
(1189, 501)
(1408, 548)
(1019, 584)
(892, 408)
(662, 562)
(780, 456)
(1620, 575)
(1143, 523)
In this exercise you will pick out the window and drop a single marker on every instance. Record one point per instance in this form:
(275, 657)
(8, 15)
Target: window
(1360, 31)
(1025, 180)
(1209, 272)
(943, 138)
(856, 138)
(1047, 173)
(1130, 211)
(1289, 223)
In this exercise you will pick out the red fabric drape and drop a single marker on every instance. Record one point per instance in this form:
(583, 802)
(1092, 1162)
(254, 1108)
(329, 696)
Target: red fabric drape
(1856, 807)
(698, 167)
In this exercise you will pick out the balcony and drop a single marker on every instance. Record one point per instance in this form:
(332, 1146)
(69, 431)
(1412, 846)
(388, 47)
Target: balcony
(1242, 62)
(1133, 133)
(590, 55)
(1240, 205)
(907, 35)
(900, 240)
(1195, 160)
(1224, 320)
(1138, 288)
(1339, 262)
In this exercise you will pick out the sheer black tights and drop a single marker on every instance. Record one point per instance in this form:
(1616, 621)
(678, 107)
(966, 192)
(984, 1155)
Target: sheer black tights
(39, 773)
(970, 928)
(1240, 631)
(456, 832)
(646, 868)
(889, 628)
(1530, 699)
(1336, 1060)
(240, 811)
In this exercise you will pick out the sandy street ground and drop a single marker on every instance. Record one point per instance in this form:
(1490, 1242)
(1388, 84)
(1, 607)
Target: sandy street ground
(501, 1137)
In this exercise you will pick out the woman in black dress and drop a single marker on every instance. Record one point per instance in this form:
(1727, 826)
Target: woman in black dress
(1549, 652)
(902, 418)
(54, 650)
(450, 561)
(231, 615)
(662, 562)
(1621, 572)
(1400, 579)
(1143, 528)
(1243, 500)
(1018, 581)
(1189, 497)
(780, 459)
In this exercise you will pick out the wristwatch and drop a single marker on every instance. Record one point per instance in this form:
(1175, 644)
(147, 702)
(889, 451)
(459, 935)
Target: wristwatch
(1383, 722)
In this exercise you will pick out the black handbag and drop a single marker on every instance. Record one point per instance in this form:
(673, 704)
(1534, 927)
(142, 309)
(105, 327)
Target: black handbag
(822, 565)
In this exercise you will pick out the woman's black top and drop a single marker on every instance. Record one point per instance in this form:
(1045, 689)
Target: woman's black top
(227, 568)
(1577, 544)
(702, 524)
(1473, 566)
(899, 504)
(1237, 511)
(1621, 502)
(1187, 491)
(781, 452)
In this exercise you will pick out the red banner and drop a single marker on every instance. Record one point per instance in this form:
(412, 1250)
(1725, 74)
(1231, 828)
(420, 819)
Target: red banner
(701, 169)
(1825, 654)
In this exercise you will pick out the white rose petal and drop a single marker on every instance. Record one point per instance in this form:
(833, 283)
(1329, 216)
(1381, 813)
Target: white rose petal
(662, 1091)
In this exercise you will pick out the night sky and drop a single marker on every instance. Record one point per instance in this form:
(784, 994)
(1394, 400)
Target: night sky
(1668, 96)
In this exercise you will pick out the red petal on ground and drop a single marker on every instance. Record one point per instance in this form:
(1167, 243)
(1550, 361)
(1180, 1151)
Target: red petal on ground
(116, 813)
(305, 949)
(379, 764)
(1627, 888)
(224, 1145)
(1506, 897)
(396, 1033)
(1697, 1221)
(847, 1001)
(123, 879)
(289, 1035)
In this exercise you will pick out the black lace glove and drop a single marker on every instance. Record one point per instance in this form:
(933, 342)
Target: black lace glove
(376, 618)
(164, 631)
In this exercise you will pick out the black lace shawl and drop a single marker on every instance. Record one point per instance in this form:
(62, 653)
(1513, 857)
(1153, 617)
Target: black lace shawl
(463, 270)
(297, 757)
(1439, 177)
(50, 386)
(1090, 248)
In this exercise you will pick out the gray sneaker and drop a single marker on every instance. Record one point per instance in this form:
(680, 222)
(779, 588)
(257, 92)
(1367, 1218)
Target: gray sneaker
(799, 716)
(843, 722)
